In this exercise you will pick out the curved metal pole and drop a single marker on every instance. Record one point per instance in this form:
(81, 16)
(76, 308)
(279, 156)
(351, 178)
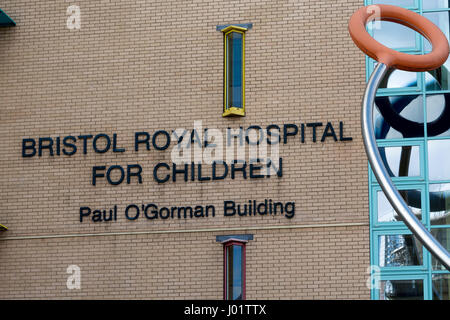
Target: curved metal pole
(385, 181)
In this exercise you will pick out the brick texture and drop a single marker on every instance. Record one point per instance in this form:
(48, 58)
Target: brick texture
(149, 65)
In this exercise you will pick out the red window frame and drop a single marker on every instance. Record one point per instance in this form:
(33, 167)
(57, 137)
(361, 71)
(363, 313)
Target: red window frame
(226, 245)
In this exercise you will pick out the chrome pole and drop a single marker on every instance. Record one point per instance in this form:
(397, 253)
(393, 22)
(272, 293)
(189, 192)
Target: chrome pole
(383, 178)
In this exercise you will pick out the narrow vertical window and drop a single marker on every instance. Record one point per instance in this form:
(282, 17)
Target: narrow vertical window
(234, 270)
(234, 71)
(5, 20)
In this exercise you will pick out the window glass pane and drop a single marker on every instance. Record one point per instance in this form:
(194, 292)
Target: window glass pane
(234, 272)
(404, 113)
(438, 79)
(401, 290)
(401, 161)
(398, 79)
(438, 115)
(443, 236)
(400, 3)
(393, 35)
(399, 250)
(440, 204)
(441, 285)
(387, 214)
(439, 159)
(435, 4)
(234, 69)
(440, 19)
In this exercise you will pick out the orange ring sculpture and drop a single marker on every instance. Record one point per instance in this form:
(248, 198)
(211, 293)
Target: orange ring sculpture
(390, 57)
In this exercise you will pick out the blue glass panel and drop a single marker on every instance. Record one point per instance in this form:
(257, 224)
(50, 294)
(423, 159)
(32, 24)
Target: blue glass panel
(438, 159)
(439, 195)
(398, 117)
(440, 19)
(398, 79)
(394, 35)
(438, 79)
(438, 115)
(402, 290)
(399, 250)
(234, 72)
(435, 4)
(234, 272)
(237, 271)
(386, 212)
(400, 3)
(441, 287)
(401, 161)
(443, 236)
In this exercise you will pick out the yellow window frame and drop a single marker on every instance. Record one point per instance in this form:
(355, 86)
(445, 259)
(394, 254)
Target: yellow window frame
(233, 111)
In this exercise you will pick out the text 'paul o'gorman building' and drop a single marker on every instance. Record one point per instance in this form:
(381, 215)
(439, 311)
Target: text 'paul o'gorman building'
(213, 150)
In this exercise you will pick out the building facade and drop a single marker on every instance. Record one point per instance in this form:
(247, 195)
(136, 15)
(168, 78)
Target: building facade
(209, 150)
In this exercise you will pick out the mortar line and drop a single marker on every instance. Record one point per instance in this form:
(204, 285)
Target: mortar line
(102, 234)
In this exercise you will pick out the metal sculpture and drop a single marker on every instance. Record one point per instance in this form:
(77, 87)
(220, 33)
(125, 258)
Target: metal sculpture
(390, 59)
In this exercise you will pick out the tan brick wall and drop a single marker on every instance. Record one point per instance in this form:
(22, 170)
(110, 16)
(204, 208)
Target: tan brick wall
(311, 263)
(149, 65)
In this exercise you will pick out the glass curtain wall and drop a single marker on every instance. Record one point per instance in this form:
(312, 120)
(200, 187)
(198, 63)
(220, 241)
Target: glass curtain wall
(412, 127)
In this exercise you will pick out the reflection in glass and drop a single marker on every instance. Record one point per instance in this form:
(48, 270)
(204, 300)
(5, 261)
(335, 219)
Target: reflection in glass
(443, 236)
(440, 19)
(401, 290)
(382, 129)
(406, 108)
(399, 250)
(234, 272)
(438, 79)
(397, 79)
(401, 161)
(386, 212)
(438, 115)
(400, 3)
(435, 4)
(438, 159)
(393, 35)
(441, 285)
(440, 204)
